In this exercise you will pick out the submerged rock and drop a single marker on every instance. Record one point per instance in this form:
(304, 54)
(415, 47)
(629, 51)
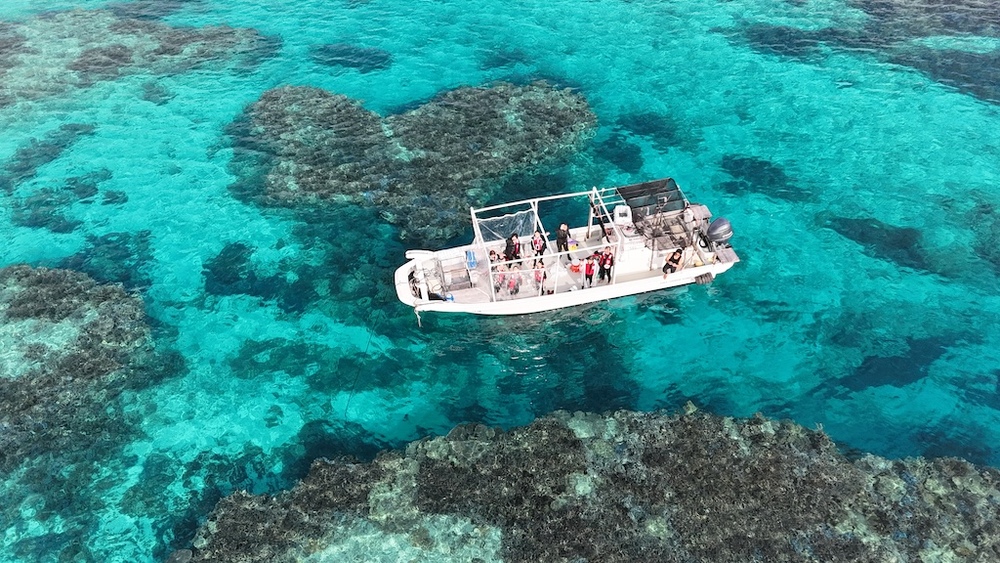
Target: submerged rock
(303, 146)
(67, 345)
(622, 487)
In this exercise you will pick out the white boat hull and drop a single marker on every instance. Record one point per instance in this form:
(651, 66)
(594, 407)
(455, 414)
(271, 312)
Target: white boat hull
(536, 304)
(637, 227)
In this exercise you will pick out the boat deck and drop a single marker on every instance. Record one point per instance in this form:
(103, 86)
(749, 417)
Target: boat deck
(472, 285)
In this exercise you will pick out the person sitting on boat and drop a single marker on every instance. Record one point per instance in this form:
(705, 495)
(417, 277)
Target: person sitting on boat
(513, 250)
(539, 267)
(607, 261)
(514, 280)
(494, 257)
(673, 263)
(588, 272)
(499, 276)
(538, 243)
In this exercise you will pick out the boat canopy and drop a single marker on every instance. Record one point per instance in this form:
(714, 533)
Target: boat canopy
(649, 199)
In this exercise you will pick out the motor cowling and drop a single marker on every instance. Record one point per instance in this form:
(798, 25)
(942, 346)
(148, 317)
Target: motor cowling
(720, 230)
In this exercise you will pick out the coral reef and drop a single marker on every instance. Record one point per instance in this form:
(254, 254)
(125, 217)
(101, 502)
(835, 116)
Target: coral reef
(78, 48)
(621, 487)
(68, 344)
(422, 168)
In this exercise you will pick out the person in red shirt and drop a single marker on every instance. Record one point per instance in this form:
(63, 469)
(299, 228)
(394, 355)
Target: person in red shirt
(588, 272)
(607, 261)
(538, 243)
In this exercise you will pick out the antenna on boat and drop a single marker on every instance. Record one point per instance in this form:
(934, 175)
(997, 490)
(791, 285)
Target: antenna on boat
(600, 218)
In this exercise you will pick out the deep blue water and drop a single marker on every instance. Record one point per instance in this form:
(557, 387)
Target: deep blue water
(856, 153)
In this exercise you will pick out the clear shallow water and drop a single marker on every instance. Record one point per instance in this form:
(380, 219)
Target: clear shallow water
(887, 338)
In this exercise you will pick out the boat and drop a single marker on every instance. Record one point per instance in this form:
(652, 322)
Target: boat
(641, 225)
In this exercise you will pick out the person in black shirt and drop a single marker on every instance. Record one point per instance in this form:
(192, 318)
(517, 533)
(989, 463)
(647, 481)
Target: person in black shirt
(562, 238)
(673, 263)
(513, 250)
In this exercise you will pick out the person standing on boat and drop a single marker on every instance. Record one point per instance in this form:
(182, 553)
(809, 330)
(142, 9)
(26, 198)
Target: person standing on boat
(588, 272)
(538, 243)
(562, 238)
(513, 250)
(673, 263)
(607, 261)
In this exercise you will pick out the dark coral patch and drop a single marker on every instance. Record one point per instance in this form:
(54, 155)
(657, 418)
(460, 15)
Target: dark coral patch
(36, 153)
(45, 209)
(115, 258)
(760, 176)
(12, 44)
(901, 370)
(924, 19)
(114, 197)
(156, 93)
(232, 272)
(363, 59)
(781, 40)
(984, 220)
(623, 154)
(662, 131)
(882, 240)
(102, 63)
(112, 44)
(977, 74)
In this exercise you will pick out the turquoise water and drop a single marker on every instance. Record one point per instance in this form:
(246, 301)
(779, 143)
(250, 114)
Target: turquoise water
(861, 185)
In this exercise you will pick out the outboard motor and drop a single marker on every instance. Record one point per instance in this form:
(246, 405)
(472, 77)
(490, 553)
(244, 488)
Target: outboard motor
(720, 231)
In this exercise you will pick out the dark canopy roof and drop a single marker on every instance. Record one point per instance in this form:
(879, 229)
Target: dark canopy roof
(651, 198)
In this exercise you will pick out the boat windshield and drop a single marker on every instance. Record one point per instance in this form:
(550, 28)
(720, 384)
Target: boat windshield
(522, 223)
